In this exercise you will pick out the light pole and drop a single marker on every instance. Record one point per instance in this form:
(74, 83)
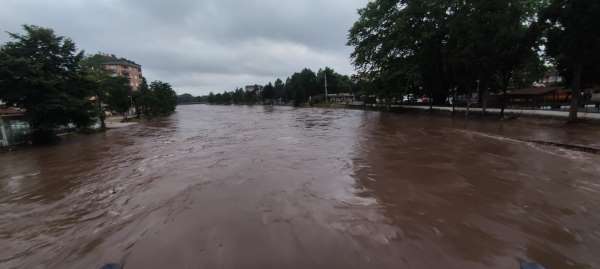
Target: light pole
(326, 93)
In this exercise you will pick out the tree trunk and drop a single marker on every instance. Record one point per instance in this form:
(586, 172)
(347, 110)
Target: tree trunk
(575, 93)
(431, 100)
(100, 113)
(470, 96)
(454, 100)
(484, 99)
(503, 103)
(505, 82)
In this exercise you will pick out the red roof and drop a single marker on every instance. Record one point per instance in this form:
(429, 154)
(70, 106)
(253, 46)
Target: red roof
(11, 111)
(535, 91)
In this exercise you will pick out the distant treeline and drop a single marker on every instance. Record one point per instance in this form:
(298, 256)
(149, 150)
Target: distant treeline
(300, 88)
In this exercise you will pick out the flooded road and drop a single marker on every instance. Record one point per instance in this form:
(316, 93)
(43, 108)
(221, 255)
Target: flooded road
(262, 187)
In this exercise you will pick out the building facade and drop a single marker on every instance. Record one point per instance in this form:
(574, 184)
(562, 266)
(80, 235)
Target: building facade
(127, 69)
(14, 129)
(256, 89)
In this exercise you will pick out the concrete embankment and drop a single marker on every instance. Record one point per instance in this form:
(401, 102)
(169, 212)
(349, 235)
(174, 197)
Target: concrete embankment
(117, 122)
(517, 112)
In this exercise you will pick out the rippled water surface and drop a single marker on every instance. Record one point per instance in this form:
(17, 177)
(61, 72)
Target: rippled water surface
(262, 187)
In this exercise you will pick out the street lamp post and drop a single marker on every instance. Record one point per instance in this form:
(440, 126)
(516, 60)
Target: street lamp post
(326, 93)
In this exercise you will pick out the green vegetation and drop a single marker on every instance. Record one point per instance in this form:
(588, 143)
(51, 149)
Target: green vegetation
(299, 89)
(573, 42)
(438, 48)
(157, 100)
(118, 92)
(41, 73)
(60, 88)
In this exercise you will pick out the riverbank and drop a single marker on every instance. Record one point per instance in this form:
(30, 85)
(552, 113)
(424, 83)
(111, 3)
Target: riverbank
(119, 122)
(511, 112)
(114, 122)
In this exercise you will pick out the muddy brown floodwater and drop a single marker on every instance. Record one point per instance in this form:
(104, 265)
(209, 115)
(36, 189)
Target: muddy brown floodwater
(262, 187)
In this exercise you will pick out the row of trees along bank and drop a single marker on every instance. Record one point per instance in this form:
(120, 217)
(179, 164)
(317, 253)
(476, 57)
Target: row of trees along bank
(442, 48)
(59, 86)
(298, 89)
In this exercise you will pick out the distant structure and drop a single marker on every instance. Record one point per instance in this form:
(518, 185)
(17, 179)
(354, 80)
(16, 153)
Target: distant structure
(551, 77)
(256, 89)
(341, 98)
(253, 88)
(125, 68)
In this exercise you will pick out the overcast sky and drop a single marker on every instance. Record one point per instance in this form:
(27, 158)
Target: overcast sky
(201, 45)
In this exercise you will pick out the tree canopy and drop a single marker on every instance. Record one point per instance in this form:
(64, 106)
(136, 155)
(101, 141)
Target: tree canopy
(41, 73)
(434, 46)
(573, 40)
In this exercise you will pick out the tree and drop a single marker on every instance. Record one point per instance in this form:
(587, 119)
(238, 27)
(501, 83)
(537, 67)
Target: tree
(185, 98)
(141, 98)
(403, 44)
(268, 92)
(438, 47)
(156, 100)
(164, 98)
(41, 73)
(118, 94)
(302, 85)
(490, 40)
(573, 40)
(336, 83)
(279, 88)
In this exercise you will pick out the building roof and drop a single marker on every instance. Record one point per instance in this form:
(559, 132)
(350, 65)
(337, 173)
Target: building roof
(121, 62)
(535, 91)
(340, 95)
(11, 112)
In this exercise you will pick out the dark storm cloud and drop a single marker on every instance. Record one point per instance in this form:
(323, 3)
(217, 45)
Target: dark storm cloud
(200, 46)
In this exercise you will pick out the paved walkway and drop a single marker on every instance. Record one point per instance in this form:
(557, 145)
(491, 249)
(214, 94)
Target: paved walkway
(527, 112)
(117, 122)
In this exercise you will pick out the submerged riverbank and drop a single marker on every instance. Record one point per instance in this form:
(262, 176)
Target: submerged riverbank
(256, 187)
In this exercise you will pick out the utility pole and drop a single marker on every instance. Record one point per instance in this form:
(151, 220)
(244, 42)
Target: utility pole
(326, 94)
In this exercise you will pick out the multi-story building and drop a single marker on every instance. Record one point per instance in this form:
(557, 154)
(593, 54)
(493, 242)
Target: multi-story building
(125, 68)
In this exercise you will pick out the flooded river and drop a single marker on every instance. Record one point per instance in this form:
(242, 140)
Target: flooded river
(262, 187)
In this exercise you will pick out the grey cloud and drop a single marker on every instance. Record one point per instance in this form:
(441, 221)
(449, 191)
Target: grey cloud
(201, 46)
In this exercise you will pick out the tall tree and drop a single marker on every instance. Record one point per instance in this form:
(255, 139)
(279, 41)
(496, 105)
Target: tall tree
(302, 86)
(403, 44)
(118, 94)
(164, 98)
(279, 89)
(573, 42)
(490, 40)
(268, 93)
(41, 73)
(435, 47)
(336, 83)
